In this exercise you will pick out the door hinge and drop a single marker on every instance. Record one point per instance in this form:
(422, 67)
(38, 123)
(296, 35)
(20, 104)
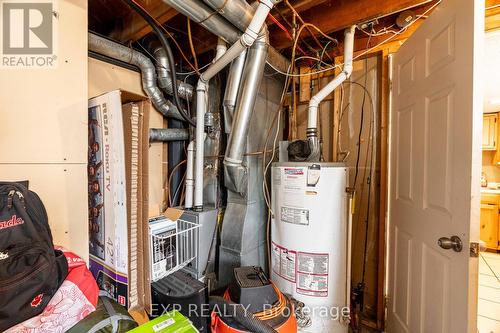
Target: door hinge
(474, 249)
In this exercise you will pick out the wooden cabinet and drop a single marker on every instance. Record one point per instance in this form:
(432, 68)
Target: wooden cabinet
(490, 121)
(489, 225)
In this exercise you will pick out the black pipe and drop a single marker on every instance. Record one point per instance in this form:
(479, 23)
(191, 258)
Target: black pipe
(240, 314)
(171, 62)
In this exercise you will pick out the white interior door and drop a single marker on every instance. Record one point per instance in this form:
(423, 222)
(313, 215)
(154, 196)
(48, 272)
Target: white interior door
(435, 163)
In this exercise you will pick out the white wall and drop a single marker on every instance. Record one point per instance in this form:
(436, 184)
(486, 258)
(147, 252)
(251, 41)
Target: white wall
(43, 129)
(491, 69)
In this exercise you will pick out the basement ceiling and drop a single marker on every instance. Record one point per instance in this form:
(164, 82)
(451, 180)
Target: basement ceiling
(114, 19)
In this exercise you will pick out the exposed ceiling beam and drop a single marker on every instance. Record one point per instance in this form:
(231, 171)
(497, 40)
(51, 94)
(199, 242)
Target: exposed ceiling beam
(334, 16)
(361, 41)
(134, 27)
(300, 6)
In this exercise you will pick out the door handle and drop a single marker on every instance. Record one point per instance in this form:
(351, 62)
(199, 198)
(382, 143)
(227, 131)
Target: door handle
(454, 243)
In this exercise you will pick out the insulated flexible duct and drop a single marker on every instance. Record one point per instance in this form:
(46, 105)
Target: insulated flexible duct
(166, 45)
(120, 52)
(184, 90)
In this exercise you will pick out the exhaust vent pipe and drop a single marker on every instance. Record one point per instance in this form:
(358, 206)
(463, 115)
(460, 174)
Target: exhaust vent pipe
(312, 120)
(232, 89)
(235, 171)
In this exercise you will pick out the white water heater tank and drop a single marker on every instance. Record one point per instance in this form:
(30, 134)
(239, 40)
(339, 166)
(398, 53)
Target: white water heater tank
(310, 234)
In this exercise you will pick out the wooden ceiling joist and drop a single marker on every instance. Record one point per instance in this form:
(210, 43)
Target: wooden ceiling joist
(134, 26)
(336, 15)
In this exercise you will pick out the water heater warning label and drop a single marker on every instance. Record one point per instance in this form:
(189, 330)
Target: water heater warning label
(312, 274)
(295, 215)
(284, 262)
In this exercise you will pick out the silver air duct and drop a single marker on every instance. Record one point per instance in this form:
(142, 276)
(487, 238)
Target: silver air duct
(204, 16)
(185, 90)
(120, 52)
(168, 134)
(219, 26)
(232, 89)
(244, 42)
(238, 12)
(235, 173)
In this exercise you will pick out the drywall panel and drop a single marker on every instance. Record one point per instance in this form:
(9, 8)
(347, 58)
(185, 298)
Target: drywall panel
(157, 181)
(63, 190)
(492, 70)
(105, 77)
(43, 128)
(43, 111)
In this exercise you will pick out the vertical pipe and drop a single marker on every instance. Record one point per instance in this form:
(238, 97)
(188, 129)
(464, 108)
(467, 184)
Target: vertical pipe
(349, 251)
(232, 89)
(201, 106)
(246, 40)
(221, 49)
(252, 76)
(312, 119)
(189, 176)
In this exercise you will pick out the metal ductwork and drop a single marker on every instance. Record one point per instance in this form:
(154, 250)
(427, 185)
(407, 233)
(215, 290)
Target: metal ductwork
(168, 134)
(184, 90)
(128, 55)
(238, 12)
(253, 71)
(220, 26)
(204, 16)
(233, 11)
(247, 39)
(232, 89)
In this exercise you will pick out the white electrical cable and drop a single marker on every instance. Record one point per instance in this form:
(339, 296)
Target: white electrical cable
(381, 32)
(362, 53)
(264, 183)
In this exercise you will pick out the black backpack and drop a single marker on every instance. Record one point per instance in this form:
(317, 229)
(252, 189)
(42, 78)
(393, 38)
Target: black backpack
(31, 270)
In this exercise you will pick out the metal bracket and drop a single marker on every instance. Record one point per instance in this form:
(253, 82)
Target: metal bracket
(474, 249)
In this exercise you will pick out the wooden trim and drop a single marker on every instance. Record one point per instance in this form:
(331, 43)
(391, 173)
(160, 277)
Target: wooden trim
(384, 145)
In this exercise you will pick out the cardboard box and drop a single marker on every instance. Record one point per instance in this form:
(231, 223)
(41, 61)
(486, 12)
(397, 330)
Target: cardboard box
(118, 192)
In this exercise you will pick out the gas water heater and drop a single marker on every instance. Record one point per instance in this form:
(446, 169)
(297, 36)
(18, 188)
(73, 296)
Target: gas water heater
(310, 235)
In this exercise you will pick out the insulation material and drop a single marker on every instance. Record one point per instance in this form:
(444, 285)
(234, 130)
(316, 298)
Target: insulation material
(131, 128)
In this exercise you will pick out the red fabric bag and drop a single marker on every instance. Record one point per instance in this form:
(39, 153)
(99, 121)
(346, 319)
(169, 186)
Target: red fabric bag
(73, 301)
